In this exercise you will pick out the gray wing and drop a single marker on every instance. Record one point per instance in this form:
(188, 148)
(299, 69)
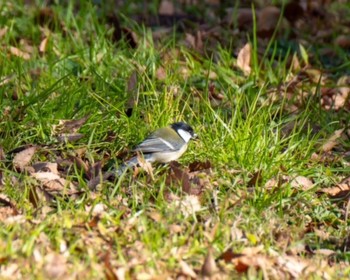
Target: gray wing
(154, 145)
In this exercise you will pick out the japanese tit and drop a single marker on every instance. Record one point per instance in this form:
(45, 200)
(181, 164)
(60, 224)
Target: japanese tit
(164, 145)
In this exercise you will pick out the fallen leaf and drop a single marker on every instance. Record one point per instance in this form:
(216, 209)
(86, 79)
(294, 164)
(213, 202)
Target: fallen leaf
(94, 170)
(43, 45)
(69, 126)
(155, 216)
(228, 256)
(113, 20)
(268, 21)
(343, 41)
(199, 165)
(179, 175)
(209, 267)
(55, 266)
(130, 37)
(161, 73)
(11, 271)
(17, 52)
(187, 270)
(293, 11)
(294, 266)
(340, 191)
(45, 167)
(189, 205)
(256, 179)
(302, 182)
(97, 209)
(173, 229)
(7, 208)
(332, 141)
(166, 8)
(5, 80)
(244, 59)
(295, 63)
(2, 154)
(3, 31)
(54, 183)
(23, 158)
(94, 182)
(81, 165)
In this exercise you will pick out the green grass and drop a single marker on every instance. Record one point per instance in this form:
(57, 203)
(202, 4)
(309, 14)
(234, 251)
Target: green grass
(84, 73)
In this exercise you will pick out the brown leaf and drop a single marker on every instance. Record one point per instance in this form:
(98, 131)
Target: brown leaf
(109, 271)
(23, 158)
(161, 73)
(194, 41)
(113, 20)
(187, 270)
(3, 31)
(228, 256)
(244, 17)
(2, 154)
(93, 222)
(70, 126)
(97, 209)
(302, 182)
(130, 37)
(45, 167)
(293, 11)
(315, 75)
(55, 266)
(43, 45)
(7, 208)
(155, 216)
(343, 41)
(332, 141)
(209, 267)
(54, 183)
(341, 93)
(95, 170)
(94, 182)
(188, 205)
(295, 63)
(166, 8)
(5, 80)
(267, 20)
(244, 59)
(180, 176)
(296, 267)
(81, 165)
(17, 52)
(256, 179)
(199, 165)
(340, 191)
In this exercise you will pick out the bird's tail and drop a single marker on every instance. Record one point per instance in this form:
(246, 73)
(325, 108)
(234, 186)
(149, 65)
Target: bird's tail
(116, 172)
(129, 164)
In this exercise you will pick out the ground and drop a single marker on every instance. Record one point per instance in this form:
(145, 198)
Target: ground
(263, 193)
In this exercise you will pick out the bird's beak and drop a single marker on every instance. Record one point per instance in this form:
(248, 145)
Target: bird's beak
(195, 137)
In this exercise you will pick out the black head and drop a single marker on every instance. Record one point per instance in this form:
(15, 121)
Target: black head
(184, 126)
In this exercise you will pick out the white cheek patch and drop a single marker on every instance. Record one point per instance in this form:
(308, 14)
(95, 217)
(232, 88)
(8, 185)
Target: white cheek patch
(186, 136)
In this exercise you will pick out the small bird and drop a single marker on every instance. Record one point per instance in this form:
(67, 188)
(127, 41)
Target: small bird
(163, 145)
